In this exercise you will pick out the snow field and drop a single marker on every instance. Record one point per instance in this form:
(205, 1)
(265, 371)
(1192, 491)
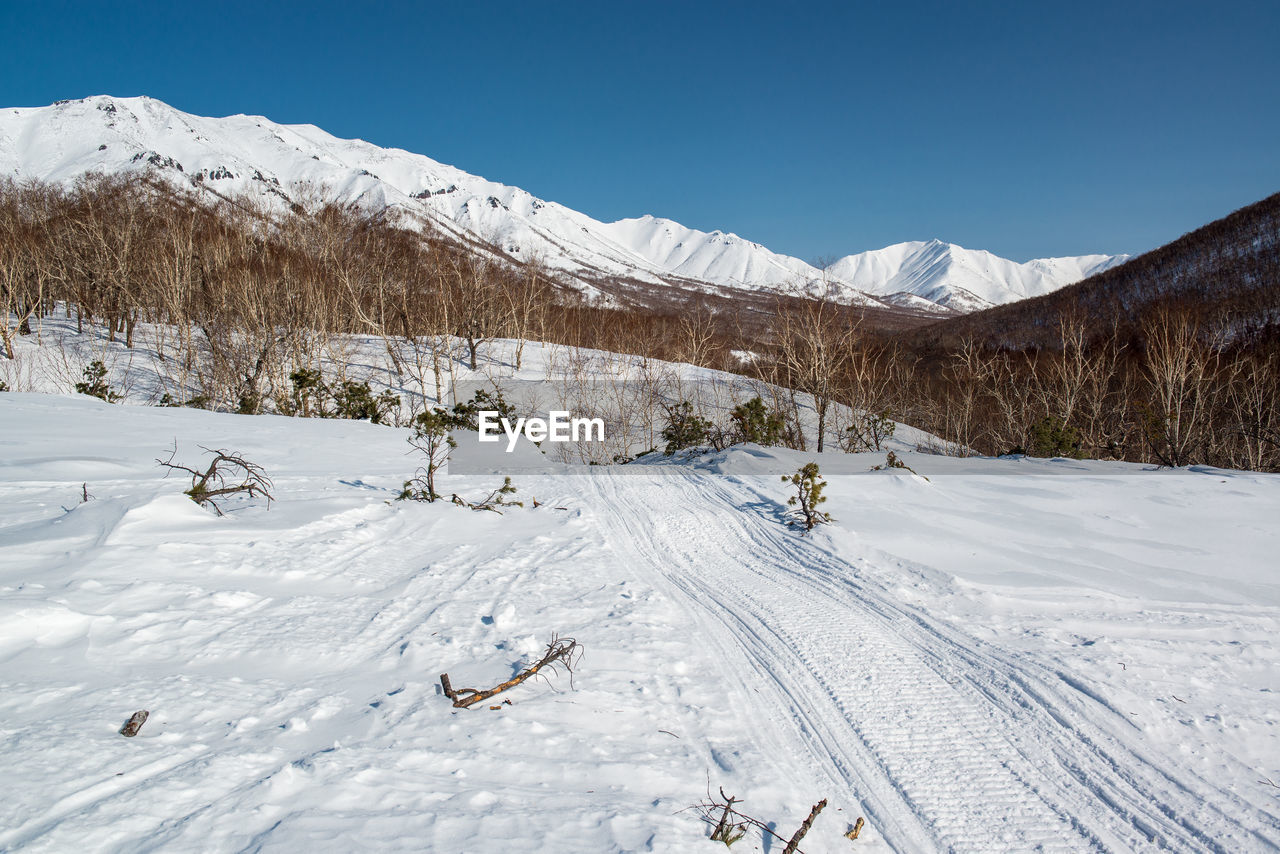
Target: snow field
(1012, 655)
(290, 657)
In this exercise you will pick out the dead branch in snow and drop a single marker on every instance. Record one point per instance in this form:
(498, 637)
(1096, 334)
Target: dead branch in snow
(212, 483)
(728, 825)
(494, 500)
(804, 827)
(561, 653)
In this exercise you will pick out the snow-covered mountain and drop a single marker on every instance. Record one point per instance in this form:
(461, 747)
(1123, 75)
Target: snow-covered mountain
(959, 278)
(287, 162)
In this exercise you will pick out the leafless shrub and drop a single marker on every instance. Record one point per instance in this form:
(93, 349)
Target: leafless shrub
(228, 473)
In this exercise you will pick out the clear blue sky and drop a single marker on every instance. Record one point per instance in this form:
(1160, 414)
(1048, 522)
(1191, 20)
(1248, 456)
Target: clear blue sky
(1026, 128)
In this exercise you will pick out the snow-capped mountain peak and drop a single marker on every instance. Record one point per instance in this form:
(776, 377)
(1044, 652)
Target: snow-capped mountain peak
(253, 154)
(959, 278)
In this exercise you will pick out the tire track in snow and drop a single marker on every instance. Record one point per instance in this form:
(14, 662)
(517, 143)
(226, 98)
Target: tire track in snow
(947, 743)
(1089, 739)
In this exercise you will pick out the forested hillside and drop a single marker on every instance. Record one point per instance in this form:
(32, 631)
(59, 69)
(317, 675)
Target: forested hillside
(247, 297)
(1227, 273)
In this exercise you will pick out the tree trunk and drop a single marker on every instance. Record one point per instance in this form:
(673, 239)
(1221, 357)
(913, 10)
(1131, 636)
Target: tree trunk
(821, 404)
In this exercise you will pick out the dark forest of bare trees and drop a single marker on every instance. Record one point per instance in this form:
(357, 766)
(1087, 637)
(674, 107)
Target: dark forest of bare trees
(1228, 270)
(247, 297)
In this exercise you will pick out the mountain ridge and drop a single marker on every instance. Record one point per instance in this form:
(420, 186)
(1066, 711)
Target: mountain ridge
(242, 152)
(1224, 273)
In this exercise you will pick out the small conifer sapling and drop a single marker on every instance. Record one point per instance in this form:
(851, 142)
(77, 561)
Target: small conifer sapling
(95, 382)
(755, 422)
(684, 429)
(809, 486)
(430, 438)
(869, 432)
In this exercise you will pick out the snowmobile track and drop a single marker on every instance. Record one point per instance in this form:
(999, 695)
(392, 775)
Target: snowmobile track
(899, 711)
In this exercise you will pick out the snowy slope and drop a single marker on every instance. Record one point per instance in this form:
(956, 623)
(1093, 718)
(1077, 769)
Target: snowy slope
(1013, 655)
(239, 153)
(1079, 657)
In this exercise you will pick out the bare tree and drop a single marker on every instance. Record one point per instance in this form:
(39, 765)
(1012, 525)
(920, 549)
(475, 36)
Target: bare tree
(698, 334)
(1179, 371)
(812, 341)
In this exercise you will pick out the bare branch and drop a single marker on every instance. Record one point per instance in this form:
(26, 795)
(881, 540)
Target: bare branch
(561, 653)
(804, 828)
(228, 473)
(729, 825)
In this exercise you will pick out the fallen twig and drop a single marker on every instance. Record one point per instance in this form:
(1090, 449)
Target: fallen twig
(561, 652)
(804, 828)
(729, 824)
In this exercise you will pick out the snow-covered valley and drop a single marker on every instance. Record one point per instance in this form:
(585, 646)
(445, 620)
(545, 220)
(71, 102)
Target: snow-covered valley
(1012, 655)
(545, 429)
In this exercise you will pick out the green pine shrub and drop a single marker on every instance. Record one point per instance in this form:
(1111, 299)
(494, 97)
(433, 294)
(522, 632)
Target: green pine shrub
(754, 422)
(684, 429)
(95, 382)
(484, 401)
(809, 486)
(430, 438)
(1052, 437)
(869, 431)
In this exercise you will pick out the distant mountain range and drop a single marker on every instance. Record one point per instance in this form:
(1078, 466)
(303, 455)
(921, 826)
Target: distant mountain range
(238, 154)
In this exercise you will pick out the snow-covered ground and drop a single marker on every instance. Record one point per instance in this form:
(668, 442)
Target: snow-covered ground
(1012, 655)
